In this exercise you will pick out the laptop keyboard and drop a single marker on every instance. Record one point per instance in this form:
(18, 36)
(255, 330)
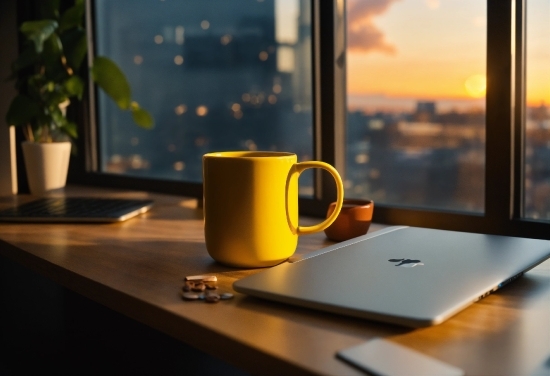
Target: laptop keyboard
(75, 208)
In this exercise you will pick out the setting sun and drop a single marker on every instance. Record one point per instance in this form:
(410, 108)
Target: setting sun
(476, 85)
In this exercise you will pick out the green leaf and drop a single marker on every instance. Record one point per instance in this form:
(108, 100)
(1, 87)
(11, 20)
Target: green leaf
(70, 129)
(54, 99)
(50, 86)
(142, 117)
(53, 46)
(110, 78)
(52, 51)
(74, 86)
(75, 46)
(22, 110)
(58, 120)
(38, 31)
(72, 17)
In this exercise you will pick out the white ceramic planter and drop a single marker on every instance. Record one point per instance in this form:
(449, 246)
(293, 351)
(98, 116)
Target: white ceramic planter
(47, 165)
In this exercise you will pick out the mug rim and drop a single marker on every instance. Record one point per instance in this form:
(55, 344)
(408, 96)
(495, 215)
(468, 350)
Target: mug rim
(247, 154)
(355, 204)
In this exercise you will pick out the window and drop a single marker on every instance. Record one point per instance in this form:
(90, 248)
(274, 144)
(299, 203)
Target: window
(416, 103)
(422, 109)
(537, 114)
(216, 75)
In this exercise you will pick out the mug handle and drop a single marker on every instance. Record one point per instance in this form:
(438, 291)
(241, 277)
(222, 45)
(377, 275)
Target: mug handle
(301, 167)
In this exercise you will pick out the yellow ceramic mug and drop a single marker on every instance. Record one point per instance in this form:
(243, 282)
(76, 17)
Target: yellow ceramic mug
(251, 206)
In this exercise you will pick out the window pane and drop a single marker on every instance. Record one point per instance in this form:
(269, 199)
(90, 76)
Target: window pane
(216, 75)
(537, 124)
(416, 103)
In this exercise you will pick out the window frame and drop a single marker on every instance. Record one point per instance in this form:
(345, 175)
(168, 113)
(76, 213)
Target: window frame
(505, 109)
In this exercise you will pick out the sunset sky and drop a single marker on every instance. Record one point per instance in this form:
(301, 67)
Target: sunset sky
(538, 52)
(400, 51)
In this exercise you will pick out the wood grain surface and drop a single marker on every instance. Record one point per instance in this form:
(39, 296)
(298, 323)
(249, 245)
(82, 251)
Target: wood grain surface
(137, 268)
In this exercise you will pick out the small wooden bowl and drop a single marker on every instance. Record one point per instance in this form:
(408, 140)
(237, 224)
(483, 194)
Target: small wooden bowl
(354, 220)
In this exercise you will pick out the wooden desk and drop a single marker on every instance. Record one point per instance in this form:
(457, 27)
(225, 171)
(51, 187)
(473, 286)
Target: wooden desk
(137, 268)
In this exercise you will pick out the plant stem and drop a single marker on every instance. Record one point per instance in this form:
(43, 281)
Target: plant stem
(27, 132)
(45, 136)
(67, 68)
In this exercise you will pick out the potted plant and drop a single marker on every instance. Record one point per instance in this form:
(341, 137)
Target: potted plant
(49, 73)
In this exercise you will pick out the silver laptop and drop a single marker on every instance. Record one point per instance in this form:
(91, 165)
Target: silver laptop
(403, 275)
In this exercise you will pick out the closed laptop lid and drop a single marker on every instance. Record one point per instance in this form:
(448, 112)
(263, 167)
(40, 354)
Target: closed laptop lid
(404, 275)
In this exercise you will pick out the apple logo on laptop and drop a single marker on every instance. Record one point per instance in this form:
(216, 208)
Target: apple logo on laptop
(406, 263)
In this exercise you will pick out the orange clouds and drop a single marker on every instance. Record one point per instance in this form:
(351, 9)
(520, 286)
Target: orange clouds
(363, 35)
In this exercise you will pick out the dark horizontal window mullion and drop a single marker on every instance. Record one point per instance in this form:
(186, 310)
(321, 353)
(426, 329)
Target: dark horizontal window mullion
(102, 179)
(460, 222)
(499, 162)
(432, 219)
(529, 228)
